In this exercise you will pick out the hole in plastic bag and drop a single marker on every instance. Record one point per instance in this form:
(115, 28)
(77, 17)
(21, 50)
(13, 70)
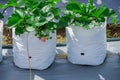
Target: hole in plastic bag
(30, 57)
(82, 54)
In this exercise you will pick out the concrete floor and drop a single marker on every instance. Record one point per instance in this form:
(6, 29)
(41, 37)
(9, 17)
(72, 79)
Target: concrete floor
(62, 69)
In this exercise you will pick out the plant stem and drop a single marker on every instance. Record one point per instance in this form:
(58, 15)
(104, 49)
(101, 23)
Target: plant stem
(28, 54)
(4, 10)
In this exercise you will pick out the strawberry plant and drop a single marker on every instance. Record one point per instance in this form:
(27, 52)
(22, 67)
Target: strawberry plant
(87, 14)
(39, 16)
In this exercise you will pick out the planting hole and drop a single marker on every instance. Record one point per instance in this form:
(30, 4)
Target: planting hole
(82, 54)
(30, 57)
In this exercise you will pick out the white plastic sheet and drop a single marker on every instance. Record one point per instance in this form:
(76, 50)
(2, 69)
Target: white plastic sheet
(42, 53)
(1, 33)
(86, 47)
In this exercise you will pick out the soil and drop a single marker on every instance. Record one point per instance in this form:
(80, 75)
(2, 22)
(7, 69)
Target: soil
(61, 35)
(112, 32)
(7, 36)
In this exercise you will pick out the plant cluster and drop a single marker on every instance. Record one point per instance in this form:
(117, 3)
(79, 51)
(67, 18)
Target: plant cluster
(39, 16)
(87, 15)
(43, 17)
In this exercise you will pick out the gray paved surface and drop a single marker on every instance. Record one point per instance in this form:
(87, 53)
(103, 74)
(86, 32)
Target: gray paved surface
(63, 70)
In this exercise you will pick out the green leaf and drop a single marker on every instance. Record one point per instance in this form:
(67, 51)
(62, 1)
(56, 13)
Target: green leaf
(64, 21)
(46, 8)
(113, 18)
(100, 11)
(56, 12)
(1, 6)
(49, 17)
(51, 25)
(54, 1)
(12, 3)
(108, 12)
(30, 28)
(1, 16)
(42, 22)
(19, 12)
(14, 20)
(91, 2)
(19, 30)
(73, 6)
(36, 5)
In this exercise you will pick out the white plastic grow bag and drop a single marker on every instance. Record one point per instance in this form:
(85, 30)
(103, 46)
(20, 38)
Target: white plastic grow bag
(1, 33)
(86, 47)
(42, 53)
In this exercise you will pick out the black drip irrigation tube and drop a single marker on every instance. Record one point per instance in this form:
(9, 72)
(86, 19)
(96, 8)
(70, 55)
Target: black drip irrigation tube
(113, 39)
(7, 47)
